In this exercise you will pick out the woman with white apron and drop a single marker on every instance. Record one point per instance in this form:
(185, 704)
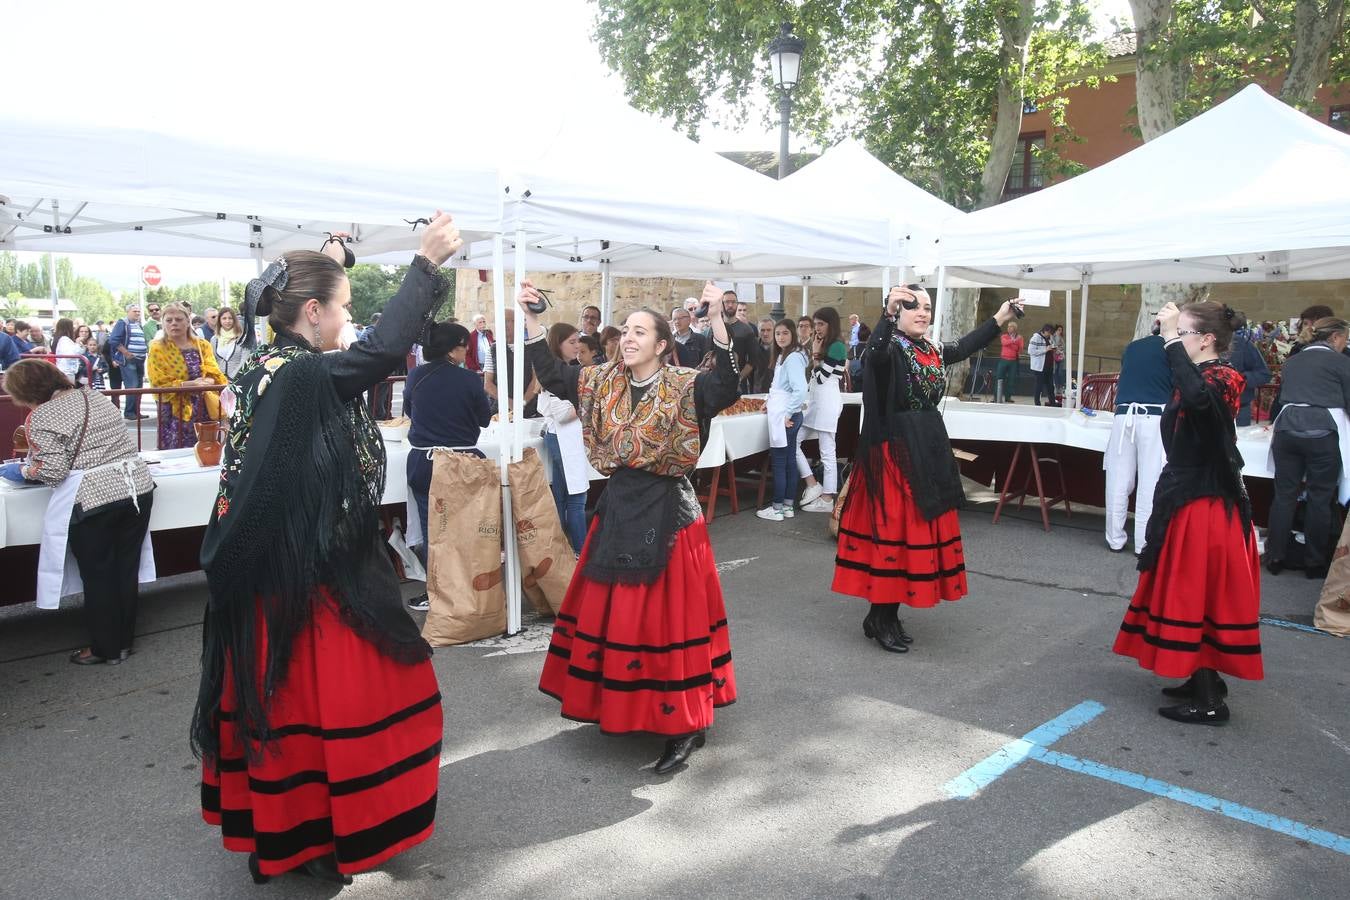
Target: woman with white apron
(821, 420)
(1311, 442)
(96, 533)
(571, 475)
(786, 400)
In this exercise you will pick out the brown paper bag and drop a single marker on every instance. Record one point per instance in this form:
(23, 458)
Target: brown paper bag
(1333, 608)
(464, 550)
(546, 559)
(837, 513)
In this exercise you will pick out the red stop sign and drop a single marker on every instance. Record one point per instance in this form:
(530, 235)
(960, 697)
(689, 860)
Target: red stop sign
(151, 276)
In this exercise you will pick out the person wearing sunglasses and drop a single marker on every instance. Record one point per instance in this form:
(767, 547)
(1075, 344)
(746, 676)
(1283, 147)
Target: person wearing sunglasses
(1195, 610)
(151, 322)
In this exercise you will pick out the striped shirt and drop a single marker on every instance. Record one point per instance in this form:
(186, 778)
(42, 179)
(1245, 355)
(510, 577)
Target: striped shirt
(831, 367)
(135, 339)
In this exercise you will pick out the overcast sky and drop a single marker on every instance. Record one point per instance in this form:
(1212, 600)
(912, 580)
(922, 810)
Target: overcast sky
(167, 66)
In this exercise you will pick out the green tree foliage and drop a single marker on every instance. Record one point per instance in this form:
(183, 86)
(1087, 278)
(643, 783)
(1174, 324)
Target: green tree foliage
(373, 286)
(918, 82)
(14, 306)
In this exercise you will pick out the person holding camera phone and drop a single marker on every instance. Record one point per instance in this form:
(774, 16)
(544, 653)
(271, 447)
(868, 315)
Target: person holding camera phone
(899, 538)
(1196, 609)
(318, 716)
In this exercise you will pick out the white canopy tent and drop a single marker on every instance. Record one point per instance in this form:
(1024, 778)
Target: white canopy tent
(1251, 191)
(81, 188)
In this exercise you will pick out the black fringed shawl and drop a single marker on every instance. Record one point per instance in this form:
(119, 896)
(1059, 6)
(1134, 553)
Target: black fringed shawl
(1201, 443)
(901, 418)
(298, 511)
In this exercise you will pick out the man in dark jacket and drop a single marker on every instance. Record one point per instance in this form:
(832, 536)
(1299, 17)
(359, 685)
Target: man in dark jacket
(690, 346)
(1244, 357)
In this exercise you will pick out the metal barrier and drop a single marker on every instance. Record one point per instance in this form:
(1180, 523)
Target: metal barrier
(12, 416)
(48, 357)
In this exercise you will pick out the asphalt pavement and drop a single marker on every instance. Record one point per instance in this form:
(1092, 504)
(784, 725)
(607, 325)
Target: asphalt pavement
(843, 771)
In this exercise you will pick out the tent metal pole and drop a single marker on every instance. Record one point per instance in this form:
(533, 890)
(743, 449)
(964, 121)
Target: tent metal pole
(518, 364)
(1068, 348)
(939, 304)
(504, 439)
(806, 295)
(51, 267)
(1082, 332)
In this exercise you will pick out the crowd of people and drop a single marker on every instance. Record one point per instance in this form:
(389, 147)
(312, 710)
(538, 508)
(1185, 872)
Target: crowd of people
(313, 674)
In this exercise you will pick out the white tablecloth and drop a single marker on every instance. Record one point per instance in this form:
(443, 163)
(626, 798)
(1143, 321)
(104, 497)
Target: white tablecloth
(1069, 428)
(183, 499)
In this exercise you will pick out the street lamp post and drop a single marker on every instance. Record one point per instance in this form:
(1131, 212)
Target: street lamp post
(785, 61)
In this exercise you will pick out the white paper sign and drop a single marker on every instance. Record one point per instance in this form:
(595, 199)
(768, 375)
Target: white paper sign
(771, 293)
(745, 291)
(1034, 298)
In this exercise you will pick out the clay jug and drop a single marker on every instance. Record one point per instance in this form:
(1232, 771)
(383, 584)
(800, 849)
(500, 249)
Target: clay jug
(20, 441)
(210, 441)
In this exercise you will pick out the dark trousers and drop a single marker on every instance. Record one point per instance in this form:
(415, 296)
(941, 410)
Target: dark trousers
(1045, 384)
(1318, 460)
(107, 548)
(784, 461)
(1006, 372)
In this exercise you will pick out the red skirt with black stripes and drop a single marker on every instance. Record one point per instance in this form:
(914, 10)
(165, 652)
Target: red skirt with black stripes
(889, 553)
(1199, 607)
(645, 657)
(355, 770)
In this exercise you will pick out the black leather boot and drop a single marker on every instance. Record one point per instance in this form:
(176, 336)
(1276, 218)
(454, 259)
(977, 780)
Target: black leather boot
(883, 624)
(678, 750)
(1186, 690)
(325, 869)
(1206, 707)
(255, 871)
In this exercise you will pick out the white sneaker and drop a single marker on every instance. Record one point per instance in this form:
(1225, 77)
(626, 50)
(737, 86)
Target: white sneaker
(788, 512)
(773, 515)
(812, 492)
(820, 504)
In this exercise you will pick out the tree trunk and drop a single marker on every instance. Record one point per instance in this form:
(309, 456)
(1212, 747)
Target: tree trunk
(1159, 80)
(1156, 76)
(1316, 28)
(1015, 23)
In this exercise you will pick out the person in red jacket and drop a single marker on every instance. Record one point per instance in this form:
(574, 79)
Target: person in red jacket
(1011, 347)
(480, 345)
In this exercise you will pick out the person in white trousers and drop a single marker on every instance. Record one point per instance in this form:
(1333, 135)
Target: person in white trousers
(1135, 457)
(829, 357)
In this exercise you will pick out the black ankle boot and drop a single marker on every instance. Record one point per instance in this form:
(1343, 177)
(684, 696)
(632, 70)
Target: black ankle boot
(255, 870)
(1186, 690)
(1206, 707)
(678, 751)
(883, 624)
(325, 869)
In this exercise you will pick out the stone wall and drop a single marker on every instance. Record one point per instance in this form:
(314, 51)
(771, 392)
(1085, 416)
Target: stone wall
(1110, 324)
(1112, 310)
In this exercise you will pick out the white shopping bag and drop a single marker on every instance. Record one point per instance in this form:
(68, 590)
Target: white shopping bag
(413, 569)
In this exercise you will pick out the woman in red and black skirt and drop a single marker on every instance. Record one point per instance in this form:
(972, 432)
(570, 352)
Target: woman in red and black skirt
(641, 641)
(899, 538)
(318, 718)
(1195, 611)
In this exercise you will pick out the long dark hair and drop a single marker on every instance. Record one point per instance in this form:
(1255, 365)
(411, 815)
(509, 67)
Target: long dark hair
(830, 316)
(557, 333)
(781, 353)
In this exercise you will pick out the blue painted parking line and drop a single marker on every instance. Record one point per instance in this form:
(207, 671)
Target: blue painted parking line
(1035, 745)
(1295, 626)
(977, 777)
(1228, 808)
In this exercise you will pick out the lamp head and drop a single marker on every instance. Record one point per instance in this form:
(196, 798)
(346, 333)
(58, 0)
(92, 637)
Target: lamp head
(785, 58)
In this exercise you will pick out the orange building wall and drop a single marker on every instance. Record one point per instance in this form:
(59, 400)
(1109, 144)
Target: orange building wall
(1103, 117)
